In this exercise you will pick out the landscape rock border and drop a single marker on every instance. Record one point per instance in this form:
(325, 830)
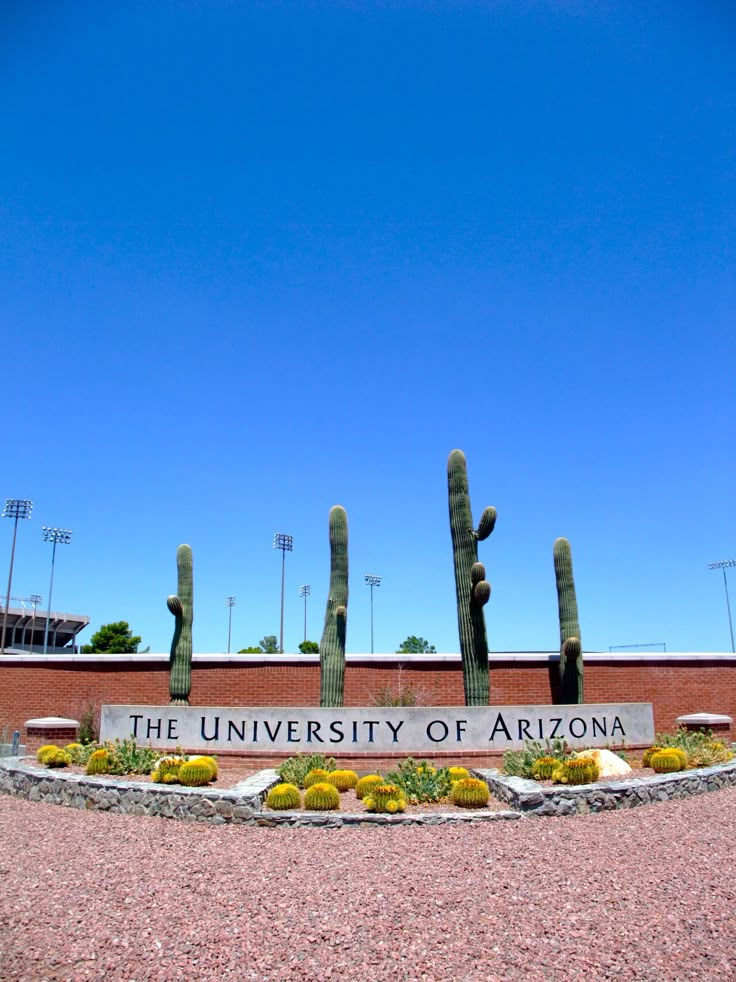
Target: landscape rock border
(243, 803)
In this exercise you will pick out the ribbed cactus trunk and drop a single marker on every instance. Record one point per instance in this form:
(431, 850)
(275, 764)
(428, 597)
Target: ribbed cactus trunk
(181, 606)
(472, 589)
(571, 649)
(332, 645)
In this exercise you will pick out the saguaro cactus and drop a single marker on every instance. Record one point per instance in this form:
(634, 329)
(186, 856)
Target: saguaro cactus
(332, 645)
(472, 589)
(181, 606)
(571, 649)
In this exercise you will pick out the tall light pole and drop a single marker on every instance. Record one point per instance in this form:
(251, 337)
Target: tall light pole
(372, 580)
(724, 564)
(285, 543)
(304, 591)
(230, 601)
(35, 599)
(54, 535)
(15, 508)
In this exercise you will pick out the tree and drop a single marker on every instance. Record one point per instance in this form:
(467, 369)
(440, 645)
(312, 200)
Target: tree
(250, 651)
(113, 639)
(309, 648)
(416, 646)
(268, 646)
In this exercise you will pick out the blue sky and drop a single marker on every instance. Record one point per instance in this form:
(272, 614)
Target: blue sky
(263, 258)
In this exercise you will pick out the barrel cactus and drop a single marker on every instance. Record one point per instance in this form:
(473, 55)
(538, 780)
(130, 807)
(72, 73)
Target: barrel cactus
(283, 797)
(385, 798)
(316, 776)
(47, 750)
(470, 793)
(195, 773)
(322, 797)
(648, 754)
(99, 762)
(58, 758)
(577, 770)
(544, 767)
(458, 774)
(471, 587)
(181, 606)
(332, 645)
(668, 761)
(366, 784)
(571, 649)
(343, 780)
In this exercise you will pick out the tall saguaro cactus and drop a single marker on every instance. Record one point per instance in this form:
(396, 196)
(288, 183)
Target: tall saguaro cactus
(571, 649)
(332, 645)
(471, 586)
(181, 606)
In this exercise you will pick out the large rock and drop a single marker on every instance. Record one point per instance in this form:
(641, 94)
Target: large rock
(610, 764)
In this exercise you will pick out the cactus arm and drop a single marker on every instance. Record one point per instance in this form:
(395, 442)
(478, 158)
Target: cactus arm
(181, 606)
(471, 588)
(332, 645)
(571, 650)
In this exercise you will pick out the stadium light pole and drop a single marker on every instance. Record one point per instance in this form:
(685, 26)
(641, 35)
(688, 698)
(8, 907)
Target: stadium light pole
(305, 591)
(372, 580)
(286, 544)
(53, 535)
(230, 601)
(35, 599)
(15, 508)
(725, 564)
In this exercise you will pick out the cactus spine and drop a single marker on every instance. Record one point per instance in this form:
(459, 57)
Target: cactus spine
(571, 649)
(471, 587)
(332, 645)
(181, 606)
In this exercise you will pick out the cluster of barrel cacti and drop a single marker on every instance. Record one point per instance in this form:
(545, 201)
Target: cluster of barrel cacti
(544, 767)
(576, 770)
(668, 760)
(388, 798)
(191, 772)
(52, 756)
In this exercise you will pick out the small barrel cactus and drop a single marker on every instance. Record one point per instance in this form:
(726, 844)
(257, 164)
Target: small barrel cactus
(577, 770)
(60, 758)
(544, 767)
(385, 798)
(168, 768)
(668, 761)
(648, 754)
(322, 797)
(283, 797)
(343, 780)
(99, 762)
(48, 750)
(366, 784)
(470, 793)
(209, 761)
(195, 773)
(316, 776)
(458, 773)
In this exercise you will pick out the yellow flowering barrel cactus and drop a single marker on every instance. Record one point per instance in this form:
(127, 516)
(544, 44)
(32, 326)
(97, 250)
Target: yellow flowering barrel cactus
(470, 793)
(316, 776)
(322, 797)
(99, 762)
(48, 750)
(458, 773)
(343, 780)
(544, 767)
(366, 784)
(284, 797)
(578, 770)
(385, 798)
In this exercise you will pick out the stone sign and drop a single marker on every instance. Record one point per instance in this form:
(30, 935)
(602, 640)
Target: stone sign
(377, 729)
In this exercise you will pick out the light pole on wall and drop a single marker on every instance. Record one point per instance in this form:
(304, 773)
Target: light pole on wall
(230, 601)
(372, 580)
(725, 564)
(53, 535)
(15, 508)
(304, 591)
(35, 599)
(286, 544)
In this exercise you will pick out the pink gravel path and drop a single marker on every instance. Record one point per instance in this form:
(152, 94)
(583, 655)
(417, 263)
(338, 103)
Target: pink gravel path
(646, 894)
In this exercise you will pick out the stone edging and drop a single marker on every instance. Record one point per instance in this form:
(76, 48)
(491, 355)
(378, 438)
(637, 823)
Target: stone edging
(243, 803)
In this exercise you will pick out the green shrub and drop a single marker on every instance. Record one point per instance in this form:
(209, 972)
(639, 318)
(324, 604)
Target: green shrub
(470, 793)
(295, 769)
(420, 781)
(519, 763)
(322, 797)
(283, 797)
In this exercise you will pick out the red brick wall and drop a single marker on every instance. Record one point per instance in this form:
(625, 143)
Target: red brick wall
(59, 688)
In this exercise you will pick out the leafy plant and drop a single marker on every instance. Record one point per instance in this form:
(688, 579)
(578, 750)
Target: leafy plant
(519, 763)
(114, 639)
(126, 757)
(415, 645)
(388, 696)
(295, 769)
(420, 781)
(88, 724)
(309, 647)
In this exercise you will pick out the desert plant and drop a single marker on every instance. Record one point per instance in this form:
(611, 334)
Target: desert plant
(668, 761)
(57, 758)
(195, 773)
(343, 780)
(709, 754)
(458, 773)
(317, 775)
(126, 757)
(99, 762)
(385, 798)
(322, 797)
(332, 645)
(295, 769)
(420, 781)
(544, 767)
(470, 793)
(181, 606)
(283, 797)
(471, 587)
(576, 770)
(365, 784)
(88, 724)
(519, 763)
(210, 761)
(168, 767)
(571, 650)
(646, 757)
(48, 749)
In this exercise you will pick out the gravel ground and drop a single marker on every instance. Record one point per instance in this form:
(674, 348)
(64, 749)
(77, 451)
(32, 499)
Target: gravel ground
(646, 894)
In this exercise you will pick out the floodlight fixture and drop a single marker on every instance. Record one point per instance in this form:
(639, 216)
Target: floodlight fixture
(372, 580)
(230, 603)
(286, 544)
(725, 564)
(15, 508)
(305, 591)
(35, 599)
(61, 537)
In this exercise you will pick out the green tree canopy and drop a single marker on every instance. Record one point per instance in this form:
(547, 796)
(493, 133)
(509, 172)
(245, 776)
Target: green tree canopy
(268, 646)
(250, 651)
(309, 648)
(113, 639)
(415, 646)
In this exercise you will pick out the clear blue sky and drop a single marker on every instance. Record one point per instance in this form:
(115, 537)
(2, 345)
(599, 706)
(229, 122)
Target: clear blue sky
(263, 258)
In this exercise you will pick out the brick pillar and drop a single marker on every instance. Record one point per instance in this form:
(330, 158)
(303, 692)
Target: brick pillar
(50, 729)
